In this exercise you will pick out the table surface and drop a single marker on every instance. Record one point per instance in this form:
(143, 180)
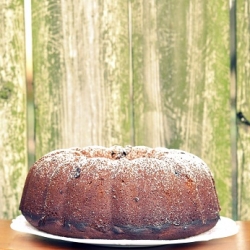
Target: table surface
(13, 240)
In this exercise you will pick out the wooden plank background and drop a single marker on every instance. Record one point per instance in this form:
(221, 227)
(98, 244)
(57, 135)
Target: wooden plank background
(139, 72)
(13, 140)
(243, 105)
(151, 73)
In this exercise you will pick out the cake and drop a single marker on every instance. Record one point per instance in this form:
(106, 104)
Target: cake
(120, 193)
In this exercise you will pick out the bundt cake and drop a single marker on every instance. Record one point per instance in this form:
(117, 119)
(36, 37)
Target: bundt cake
(120, 193)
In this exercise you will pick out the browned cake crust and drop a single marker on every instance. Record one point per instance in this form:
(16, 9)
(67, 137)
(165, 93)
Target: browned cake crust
(120, 193)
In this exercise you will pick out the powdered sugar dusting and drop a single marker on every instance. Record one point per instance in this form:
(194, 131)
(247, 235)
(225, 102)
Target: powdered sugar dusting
(131, 158)
(154, 185)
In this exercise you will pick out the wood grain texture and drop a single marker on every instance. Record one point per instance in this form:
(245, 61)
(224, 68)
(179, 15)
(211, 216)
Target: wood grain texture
(81, 58)
(13, 159)
(243, 105)
(181, 84)
(151, 73)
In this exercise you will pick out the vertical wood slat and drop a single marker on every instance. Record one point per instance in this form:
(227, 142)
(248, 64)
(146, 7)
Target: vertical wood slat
(82, 62)
(181, 84)
(13, 160)
(233, 105)
(81, 68)
(243, 105)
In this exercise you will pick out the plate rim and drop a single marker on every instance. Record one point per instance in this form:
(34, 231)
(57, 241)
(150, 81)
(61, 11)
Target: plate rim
(206, 236)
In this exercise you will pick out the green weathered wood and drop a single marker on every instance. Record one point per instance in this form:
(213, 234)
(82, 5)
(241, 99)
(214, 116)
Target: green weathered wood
(81, 68)
(13, 159)
(152, 73)
(181, 83)
(243, 105)
(233, 108)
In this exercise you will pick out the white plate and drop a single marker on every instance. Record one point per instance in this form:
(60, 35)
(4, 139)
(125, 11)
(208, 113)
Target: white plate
(224, 228)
